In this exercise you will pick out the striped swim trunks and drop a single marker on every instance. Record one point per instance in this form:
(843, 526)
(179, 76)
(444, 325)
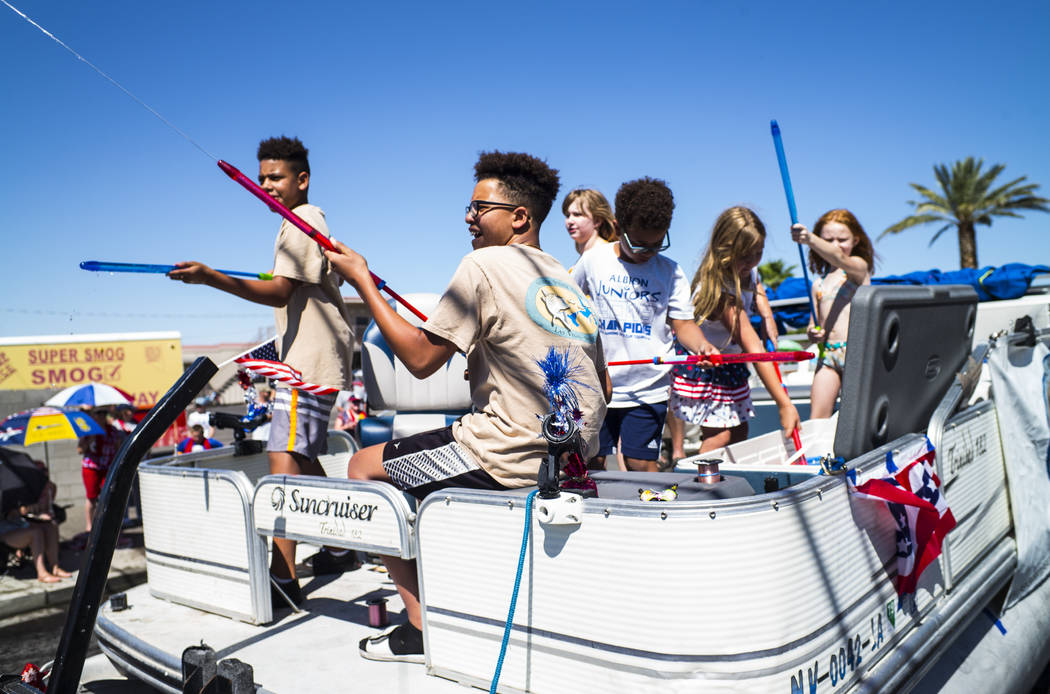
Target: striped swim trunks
(423, 463)
(300, 422)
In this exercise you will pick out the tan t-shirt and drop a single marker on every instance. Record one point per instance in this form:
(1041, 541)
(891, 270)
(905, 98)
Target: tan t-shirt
(505, 307)
(313, 331)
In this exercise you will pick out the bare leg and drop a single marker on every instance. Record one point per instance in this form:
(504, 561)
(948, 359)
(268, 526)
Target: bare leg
(639, 465)
(596, 463)
(51, 549)
(720, 438)
(676, 427)
(282, 561)
(822, 394)
(89, 513)
(367, 464)
(38, 546)
(33, 538)
(406, 579)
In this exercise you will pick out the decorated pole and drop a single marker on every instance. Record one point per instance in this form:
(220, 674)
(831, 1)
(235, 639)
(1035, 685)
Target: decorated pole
(785, 177)
(716, 359)
(103, 266)
(319, 238)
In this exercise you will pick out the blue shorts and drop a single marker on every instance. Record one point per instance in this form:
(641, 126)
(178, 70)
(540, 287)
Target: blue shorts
(639, 430)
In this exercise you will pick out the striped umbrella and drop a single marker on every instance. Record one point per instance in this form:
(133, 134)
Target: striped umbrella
(91, 395)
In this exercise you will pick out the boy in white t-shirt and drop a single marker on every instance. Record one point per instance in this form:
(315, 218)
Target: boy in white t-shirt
(640, 297)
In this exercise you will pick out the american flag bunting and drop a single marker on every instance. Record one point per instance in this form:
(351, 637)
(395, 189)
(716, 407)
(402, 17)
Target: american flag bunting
(263, 361)
(913, 496)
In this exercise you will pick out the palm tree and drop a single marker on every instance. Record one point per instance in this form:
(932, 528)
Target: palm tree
(968, 201)
(774, 272)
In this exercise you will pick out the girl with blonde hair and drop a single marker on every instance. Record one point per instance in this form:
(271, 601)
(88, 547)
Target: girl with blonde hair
(588, 218)
(726, 290)
(842, 258)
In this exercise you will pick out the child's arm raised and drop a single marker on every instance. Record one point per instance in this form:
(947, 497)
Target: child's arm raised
(855, 267)
(750, 342)
(275, 292)
(422, 352)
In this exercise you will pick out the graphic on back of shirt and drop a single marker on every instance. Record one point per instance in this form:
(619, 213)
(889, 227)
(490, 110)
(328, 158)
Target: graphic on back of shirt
(561, 309)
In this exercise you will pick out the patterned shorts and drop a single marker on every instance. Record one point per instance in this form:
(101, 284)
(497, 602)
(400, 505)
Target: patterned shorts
(834, 356)
(432, 460)
(720, 399)
(300, 422)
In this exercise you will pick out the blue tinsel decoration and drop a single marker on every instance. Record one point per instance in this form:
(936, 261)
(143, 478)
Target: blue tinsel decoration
(560, 383)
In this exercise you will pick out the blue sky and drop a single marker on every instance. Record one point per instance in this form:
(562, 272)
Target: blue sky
(395, 100)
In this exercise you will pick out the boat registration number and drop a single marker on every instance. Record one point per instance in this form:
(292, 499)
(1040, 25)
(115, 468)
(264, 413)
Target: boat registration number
(836, 665)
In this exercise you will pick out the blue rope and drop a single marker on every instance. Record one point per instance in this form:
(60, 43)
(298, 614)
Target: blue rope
(514, 594)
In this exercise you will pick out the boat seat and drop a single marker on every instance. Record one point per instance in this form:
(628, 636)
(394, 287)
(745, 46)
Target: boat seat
(406, 404)
(629, 485)
(354, 514)
(383, 428)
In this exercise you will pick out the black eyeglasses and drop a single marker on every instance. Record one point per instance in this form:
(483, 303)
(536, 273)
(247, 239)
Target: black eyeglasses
(662, 246)
(475, 211)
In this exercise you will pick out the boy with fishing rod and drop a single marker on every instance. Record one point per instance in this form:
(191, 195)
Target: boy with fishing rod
(640, 296)
(507, 305)
(313, 336)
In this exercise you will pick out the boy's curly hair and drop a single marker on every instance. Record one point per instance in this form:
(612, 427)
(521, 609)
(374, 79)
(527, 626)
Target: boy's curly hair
(525, 180)
(288, 149)
(645, 203)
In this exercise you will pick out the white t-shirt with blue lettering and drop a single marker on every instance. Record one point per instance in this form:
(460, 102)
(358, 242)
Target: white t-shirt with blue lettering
(634, 302)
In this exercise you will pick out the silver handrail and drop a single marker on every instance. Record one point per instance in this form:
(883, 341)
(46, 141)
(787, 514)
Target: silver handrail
(958, 392)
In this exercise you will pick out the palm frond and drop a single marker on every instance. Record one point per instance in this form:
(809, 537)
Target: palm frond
(984, 181)
(1004, 190)
(911, 221)
(940, 231)
(931, 197)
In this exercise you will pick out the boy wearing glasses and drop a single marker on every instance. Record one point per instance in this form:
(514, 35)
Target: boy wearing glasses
(640, 297)
(506, 306)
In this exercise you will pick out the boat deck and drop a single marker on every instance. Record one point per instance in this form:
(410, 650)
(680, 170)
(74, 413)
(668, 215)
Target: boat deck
(294, 653)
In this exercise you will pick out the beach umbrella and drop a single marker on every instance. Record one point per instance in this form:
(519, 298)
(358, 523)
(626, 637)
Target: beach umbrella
(44, 424)
(21, 481)
(91, 395)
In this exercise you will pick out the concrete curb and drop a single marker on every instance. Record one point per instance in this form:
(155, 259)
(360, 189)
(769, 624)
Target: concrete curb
(21, 592)
(17, 598)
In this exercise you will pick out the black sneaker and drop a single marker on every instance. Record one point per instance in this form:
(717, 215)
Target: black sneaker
(291, 589)
(324, 562)
(402, 644)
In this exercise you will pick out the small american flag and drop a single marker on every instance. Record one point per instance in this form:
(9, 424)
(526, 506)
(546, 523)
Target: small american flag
(911, 492)
(263, 361)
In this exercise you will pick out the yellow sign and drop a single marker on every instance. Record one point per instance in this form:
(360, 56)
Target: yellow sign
(144, 365)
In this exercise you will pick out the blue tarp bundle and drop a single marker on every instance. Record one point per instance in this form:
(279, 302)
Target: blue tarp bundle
(1008, 281)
